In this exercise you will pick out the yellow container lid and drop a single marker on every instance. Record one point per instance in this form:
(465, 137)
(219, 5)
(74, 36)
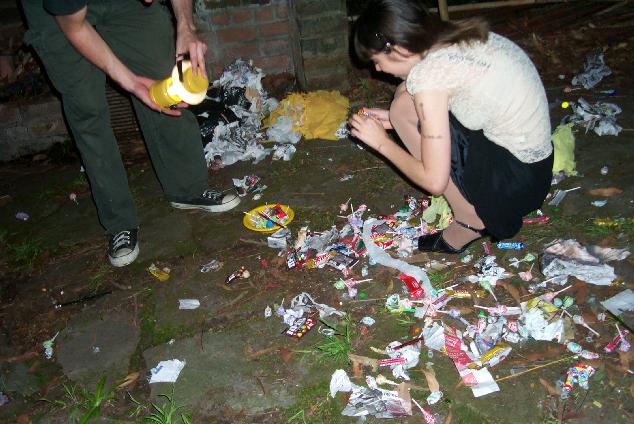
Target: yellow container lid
(195, 83)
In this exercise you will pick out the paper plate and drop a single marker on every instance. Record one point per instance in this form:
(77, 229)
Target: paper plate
(248, 219)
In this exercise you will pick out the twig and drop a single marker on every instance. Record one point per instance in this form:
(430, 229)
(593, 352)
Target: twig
(535, 368)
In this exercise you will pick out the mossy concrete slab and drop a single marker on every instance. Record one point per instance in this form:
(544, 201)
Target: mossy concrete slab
(91, 347)
(219, 372)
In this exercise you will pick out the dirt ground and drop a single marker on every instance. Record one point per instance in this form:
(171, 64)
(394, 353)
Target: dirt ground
(115, 325)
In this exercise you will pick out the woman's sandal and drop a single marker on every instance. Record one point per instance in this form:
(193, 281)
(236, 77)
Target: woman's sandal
(435, 242)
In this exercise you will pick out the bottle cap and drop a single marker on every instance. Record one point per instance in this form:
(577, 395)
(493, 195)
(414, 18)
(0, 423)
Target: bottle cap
(195, 83)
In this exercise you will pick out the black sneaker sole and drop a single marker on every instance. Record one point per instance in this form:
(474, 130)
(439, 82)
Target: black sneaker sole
(223, 207)
(125, 260)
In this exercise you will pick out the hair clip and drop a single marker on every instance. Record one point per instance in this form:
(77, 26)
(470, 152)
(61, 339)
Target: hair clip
(387, 46)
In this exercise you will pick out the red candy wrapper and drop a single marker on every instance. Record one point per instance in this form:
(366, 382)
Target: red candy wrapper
(392, 361)
(415, 290)
(543, 218)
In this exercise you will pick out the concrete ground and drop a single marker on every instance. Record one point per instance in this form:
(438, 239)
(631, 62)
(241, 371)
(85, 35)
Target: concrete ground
(119, 323)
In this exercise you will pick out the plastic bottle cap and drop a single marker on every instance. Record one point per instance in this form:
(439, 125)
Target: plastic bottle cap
(195, 83)
(564, 105)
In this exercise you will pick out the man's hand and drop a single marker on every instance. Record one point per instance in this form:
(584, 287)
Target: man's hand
(188, 42)
(186, 39)
(141, 88)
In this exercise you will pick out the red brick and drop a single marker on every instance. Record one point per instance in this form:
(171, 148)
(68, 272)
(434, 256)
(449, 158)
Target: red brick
(274, 47)
(220, 19)
(275, 28)
(281, 12)
(264, 13)
(230, 35)
(217, 69)
(246, 51)
(241, 16)
(278, 63)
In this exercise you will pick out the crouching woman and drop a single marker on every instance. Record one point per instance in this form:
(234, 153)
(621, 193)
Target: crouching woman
(472, 113)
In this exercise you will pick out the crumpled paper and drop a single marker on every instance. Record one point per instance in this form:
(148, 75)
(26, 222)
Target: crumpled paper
(600, 117)
(564, 148)
(411, 355)
(230, 118)
(594, 71)
(167, 371)
(366, 401)
(315, 115)
(304, 302)
(438, 209)
(568, 257)
(620, 303)
(381, 257)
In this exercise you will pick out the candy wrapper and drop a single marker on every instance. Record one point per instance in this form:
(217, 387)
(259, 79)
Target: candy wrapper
(248, 184)
(579, 374)
(415, 290)
(160, 274)
(299, 328)
(409, 356)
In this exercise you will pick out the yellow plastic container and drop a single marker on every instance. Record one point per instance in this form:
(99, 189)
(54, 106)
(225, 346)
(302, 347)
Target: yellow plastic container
(171, 91)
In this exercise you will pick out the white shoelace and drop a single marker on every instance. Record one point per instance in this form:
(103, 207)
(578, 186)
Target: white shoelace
(120, 239)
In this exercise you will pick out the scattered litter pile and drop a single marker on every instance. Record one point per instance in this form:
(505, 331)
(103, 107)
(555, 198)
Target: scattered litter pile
(230, 118)
(599, 116)
(477, 332)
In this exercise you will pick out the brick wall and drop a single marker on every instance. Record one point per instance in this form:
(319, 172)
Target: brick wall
(307, 38)
(251, 29)
(323, 32)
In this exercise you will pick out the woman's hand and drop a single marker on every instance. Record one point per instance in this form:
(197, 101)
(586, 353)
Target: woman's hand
(369, 130)
(383, 115)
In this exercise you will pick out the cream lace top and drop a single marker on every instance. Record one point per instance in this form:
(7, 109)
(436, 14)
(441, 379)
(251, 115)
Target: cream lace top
(494, 87)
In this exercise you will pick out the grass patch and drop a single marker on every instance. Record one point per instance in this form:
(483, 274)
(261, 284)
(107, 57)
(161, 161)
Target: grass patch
(314, 405)
(439, 279)
(466, 414)
(82, 404)
(24, 254)
(97, 280)
(168, 412)
(337, 347)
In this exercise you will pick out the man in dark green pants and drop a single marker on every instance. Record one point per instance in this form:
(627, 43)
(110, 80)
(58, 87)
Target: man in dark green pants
(81, 42)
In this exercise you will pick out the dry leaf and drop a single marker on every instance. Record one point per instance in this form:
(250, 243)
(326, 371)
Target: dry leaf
(432, 382)
(449, 417)
(625, 360)
(512, 290)
(606, 192)
(549, 387)
(580, 296)
(129, 380)
(285, 354)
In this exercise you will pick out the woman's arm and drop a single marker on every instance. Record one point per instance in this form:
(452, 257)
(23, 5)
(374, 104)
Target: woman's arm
(432, 171)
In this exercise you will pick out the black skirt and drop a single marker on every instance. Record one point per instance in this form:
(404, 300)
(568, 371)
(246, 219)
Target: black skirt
(501, 187)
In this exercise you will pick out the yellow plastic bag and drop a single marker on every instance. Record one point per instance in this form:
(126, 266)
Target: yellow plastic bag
(316, 114)
(564, 145)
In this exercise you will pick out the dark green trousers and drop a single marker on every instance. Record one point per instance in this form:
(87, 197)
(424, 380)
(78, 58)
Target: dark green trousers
(142, 37)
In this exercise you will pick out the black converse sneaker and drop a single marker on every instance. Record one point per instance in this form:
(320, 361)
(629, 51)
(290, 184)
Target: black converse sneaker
(210, 201)
(123, 248)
